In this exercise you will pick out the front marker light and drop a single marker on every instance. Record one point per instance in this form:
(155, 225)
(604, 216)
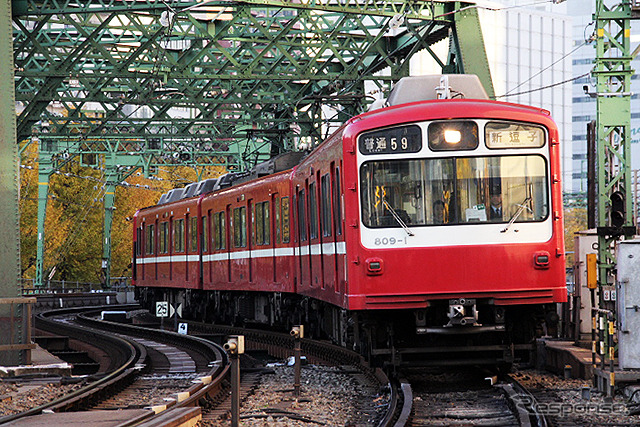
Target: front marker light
(375, 266)
(541, 260)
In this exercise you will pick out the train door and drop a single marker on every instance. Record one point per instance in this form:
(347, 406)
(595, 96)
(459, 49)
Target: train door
(186, 245)
(303, 243)
(142, 251)
(170, 241)
(263, 240)
(327, 232)
(227, 221)
(338, 225)
(195, 249)
(201, 242)
(315, 240)
(212, 245)
(285, 237)
(156, 249)
(219, 270)
(275, 235)
(251, 240)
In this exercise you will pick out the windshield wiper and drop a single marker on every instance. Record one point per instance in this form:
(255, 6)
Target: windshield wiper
(397, 217)
(515, 216)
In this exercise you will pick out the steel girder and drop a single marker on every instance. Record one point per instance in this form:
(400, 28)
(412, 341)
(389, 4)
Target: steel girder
(613, 73)
(138, 84)
(226, 73)
(12, 328)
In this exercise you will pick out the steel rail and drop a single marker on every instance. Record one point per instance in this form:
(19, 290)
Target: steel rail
(127, 369)
(209, 385)
(101, 334)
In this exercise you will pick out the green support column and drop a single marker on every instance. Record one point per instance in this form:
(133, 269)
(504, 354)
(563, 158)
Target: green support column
(44, 173)
(109, 200)
(467, 54)
(11, 329)
(613, 84)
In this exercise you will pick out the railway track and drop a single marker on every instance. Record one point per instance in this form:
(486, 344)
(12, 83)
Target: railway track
(572, 403)
(372, 400)
(463, 397)
(156, 372)
(160, 372)
(167, 376)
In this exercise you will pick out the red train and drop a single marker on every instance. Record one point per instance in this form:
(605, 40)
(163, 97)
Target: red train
(428, 231)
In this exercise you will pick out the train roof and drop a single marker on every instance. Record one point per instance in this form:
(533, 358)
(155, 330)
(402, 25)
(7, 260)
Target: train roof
(279, 163)
(427, 88)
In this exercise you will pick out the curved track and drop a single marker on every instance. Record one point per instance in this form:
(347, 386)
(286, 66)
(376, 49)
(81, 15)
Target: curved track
(347, 362)
(184, 363)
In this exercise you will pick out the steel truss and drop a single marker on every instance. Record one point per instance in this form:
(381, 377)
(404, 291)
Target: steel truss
(147, 83)
(613, 90)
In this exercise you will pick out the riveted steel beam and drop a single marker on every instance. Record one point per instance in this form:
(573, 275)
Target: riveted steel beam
(147, 83)
(12, 330)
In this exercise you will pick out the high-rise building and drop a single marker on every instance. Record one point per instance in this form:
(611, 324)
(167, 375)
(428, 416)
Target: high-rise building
(529, 46)
(584, 105)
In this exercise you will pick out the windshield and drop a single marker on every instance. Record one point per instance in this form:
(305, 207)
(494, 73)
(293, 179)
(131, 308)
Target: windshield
(454, 191)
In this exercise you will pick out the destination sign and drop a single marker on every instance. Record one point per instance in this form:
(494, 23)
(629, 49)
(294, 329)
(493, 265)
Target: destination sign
(403, 139)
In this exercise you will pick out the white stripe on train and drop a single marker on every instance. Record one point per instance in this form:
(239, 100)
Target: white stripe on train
(326, 249)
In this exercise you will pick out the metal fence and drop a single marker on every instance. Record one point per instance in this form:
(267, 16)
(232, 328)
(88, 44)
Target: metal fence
(118, 284)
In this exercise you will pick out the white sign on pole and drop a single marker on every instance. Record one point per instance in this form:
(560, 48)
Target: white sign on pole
(162, 309)
(182, 328)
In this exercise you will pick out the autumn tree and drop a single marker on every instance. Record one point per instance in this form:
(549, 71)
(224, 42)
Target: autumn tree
(75, 216)
(575, 219)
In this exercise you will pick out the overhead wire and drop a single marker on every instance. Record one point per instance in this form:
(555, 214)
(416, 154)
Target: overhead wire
(477, 6)
(544, 87)
(584, 43)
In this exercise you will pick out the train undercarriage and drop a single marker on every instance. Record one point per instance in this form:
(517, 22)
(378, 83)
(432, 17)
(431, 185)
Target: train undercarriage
(449, 332)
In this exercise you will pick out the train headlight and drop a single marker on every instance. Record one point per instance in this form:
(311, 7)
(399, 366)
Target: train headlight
(452, 136)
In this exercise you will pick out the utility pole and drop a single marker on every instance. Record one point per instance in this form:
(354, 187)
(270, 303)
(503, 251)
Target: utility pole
(613, 73)
(615, 217)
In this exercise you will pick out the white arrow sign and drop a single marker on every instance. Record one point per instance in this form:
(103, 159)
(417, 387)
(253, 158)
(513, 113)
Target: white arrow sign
(172, 310)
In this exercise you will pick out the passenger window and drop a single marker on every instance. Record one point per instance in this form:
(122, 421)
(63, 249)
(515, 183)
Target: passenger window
(285, 219)
(262, 223)
(240, 227)
(219, 230)
(259, 224)
(325, 205)
(313, 212)
(178, 235)
(302, 217)
(193, 233)
(276, 205)
(205, 234)
(139, 234)
(150, 242)
(164, 237)
(337, 202)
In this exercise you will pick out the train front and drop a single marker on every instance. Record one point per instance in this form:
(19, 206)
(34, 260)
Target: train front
(460, 235)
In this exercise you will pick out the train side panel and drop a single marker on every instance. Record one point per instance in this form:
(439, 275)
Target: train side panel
(320, 237)
(168, 251)
(249, 245)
